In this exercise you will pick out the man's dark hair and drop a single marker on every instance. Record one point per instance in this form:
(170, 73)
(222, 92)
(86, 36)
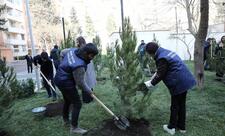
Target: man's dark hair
(90, 48)
(80, 41)
(56, 47)
(44, 55)
(151, 47)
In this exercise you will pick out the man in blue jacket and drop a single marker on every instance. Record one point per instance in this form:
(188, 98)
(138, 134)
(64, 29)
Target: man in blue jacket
(71, 73)
(177, 78)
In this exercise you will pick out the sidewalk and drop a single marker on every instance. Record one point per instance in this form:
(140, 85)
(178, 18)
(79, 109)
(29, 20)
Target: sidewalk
(20, 68)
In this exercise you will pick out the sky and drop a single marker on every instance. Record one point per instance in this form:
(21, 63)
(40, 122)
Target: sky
(157, 14)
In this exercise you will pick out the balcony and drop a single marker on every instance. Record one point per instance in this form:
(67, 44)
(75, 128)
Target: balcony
(16, 42)
(15, 18)
(16, 30)
(11, 4)
(19, 51)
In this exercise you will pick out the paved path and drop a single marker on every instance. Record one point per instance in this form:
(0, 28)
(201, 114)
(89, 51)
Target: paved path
(20, 67)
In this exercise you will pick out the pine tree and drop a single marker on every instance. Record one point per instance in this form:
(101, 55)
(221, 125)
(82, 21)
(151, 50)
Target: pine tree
(74, 23)
(69, 42)
(7, 77)
(98, 59)
(127, 75)
(90, 30)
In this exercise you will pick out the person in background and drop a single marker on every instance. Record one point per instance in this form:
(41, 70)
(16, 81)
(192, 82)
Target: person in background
(178, 79)
(46, 68)
(70, 74)
(141, 53)
(206, 51)
(55, 55)
(220, 58)
(29, 60)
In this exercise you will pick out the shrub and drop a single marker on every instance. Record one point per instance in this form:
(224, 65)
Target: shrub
(127, 75)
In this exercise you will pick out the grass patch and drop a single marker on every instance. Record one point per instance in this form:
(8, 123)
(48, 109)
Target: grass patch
(205, 111)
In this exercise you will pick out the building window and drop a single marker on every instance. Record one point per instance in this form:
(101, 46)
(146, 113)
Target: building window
(8, 36)
(16, 46)
(16, 50)
(22, 37)
(24, 48)
(10, 1)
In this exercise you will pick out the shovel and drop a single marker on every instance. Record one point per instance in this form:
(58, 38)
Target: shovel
(121, 122)
(49, 83)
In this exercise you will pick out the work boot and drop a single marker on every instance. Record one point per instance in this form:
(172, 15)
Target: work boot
(168, 130)
(77, 130)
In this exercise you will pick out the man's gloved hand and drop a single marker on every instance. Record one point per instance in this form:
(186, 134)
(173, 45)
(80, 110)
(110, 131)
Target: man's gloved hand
(148, 83)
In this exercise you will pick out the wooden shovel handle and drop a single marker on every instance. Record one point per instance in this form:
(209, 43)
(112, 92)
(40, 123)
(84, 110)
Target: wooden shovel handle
(103, 105)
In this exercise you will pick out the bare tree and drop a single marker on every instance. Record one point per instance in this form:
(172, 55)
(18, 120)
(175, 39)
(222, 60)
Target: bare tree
(182, 38)
(199, 33)
(199, 39)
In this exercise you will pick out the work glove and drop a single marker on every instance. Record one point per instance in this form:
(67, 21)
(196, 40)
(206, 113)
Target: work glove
(148, 84)
(86, 96)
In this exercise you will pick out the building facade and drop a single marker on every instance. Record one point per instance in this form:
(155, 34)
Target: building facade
(13, 42)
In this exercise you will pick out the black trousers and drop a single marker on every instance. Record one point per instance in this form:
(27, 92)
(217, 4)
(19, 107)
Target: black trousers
(178, 111)
(29, 68)
(48, 88)
(71, 97)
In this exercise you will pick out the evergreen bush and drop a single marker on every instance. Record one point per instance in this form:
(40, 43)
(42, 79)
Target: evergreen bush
(126, 74)
(98, 58)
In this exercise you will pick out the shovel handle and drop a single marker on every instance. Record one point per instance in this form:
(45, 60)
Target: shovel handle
(49, 83)
(106, 108)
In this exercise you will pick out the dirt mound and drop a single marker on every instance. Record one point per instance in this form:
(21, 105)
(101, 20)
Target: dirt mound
(138, 127)
(3, 133)
(54, 109)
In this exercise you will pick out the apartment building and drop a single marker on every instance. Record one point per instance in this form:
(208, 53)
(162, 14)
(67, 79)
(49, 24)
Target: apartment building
(13, 43)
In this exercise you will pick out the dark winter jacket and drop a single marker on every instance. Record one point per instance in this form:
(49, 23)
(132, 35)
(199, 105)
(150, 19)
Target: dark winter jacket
(55, 54)
(206, 49)
(45, 66)
(29, 59)
(177, 78)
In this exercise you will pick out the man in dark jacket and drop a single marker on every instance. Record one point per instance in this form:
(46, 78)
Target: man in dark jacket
(141, 53)
(55, 55)
(29, 59)
(207, 45)
(71, 73)
(177, 78)
(47, 69)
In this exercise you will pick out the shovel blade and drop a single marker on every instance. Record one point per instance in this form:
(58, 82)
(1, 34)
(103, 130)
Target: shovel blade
(122, 123)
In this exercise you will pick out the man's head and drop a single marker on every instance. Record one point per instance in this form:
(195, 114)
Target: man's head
(151, 48)
(80, 41)
(88, 51)
(56, 46)
(142, 41)
(44, 56)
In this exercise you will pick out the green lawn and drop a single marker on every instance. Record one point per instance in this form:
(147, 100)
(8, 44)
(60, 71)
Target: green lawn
(205, 112)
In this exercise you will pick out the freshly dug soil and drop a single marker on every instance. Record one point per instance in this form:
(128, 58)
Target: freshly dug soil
(138, 127)
(3, 133)
(54, 109)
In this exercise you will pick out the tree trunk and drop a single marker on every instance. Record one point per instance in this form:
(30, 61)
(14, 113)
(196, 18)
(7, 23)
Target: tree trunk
(200, 38)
